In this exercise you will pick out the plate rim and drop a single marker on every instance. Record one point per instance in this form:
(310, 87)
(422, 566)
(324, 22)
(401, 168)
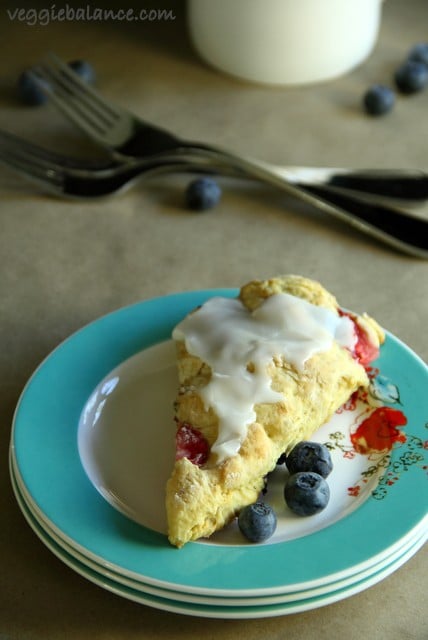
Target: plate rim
(418, 534)
(207, 610)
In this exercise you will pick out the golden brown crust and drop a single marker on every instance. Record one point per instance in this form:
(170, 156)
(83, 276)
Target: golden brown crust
(253, 293)
(201, 500)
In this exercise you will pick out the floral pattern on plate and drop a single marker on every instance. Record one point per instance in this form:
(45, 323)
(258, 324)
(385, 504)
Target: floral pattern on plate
(377, 432)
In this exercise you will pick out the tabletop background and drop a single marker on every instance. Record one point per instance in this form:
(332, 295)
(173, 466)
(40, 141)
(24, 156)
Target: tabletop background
(64, 264)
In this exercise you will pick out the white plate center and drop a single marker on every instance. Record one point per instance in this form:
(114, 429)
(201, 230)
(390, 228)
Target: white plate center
(126, 435)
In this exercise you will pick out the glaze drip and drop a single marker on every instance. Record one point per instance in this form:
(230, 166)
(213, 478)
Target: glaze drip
(239, 344)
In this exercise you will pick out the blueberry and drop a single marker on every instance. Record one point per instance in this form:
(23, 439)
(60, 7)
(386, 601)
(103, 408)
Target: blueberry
(257, 522)
(411, 77)
(306, 493)
(282, 459)
(202, 194)
(310, 456)
(84, 69)
(419, 53)
(378, 100)
(29, 89)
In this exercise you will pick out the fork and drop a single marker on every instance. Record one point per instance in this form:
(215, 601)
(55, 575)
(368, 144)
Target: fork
(127, 138)
(75, 178)
(298, 175)
(404, 232)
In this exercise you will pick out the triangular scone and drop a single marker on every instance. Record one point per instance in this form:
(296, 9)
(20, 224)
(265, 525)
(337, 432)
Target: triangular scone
(204, 495)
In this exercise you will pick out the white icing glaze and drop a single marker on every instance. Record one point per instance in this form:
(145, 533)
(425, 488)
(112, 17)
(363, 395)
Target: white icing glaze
(228, 337)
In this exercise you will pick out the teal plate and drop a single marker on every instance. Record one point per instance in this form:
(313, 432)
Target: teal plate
(214, 609)
(44, 446)
(411, 544)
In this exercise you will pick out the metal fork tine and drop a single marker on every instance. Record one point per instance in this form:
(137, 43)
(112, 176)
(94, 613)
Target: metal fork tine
(52, 158)
(34, 164)
(73, 79)
(29, 159)
(71, 87)
(18, 162)
(82, 105)
(36, 156)
(75, 109)
(74, 93)
(112, 127)
(51, 178)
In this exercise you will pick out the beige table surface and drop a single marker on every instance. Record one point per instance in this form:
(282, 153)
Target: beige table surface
(64, 264)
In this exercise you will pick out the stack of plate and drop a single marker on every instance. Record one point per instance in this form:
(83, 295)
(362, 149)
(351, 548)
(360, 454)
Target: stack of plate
(91, 449)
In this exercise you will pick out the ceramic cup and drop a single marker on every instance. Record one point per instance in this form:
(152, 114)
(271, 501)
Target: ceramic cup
(284, 42)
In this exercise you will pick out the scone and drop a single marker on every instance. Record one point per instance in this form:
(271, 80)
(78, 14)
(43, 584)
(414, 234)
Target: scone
(257, 374)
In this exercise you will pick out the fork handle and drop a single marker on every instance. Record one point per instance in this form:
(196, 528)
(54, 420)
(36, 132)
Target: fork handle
(408, 185)
(405, 232)
(391, 225)
(396, 184)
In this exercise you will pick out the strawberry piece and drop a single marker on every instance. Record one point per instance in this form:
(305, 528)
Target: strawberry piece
(191, 444)
(364, 350)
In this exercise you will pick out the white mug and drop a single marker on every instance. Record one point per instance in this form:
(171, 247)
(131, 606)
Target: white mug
(281, 42)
